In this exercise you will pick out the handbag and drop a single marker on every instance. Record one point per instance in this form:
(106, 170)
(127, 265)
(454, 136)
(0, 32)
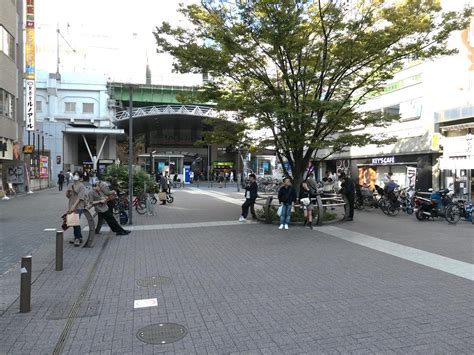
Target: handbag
(72, 219)
(305, 201)
(280, 211)
(162, 196)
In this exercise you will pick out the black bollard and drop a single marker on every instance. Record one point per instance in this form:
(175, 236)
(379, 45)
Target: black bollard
(25, 284)
(59, 250)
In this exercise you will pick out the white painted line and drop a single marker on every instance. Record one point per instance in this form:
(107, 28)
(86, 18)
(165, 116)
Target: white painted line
(49, 229)
(234, 201)
(434, 261)
(150, 302)
(149, 227)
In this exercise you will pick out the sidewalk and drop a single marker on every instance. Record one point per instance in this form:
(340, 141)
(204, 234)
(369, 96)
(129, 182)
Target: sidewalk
(238, 288)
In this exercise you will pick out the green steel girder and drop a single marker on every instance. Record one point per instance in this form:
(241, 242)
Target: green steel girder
(151, 94)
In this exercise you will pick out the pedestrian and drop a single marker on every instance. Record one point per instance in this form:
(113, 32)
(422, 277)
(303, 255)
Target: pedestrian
(163, 187)
(328, 183)
(99, 201)
(93, 176)
(348, 190)
(77, 196)
(221, 178)
(68, 177)
(232, 177)
(191, 176)
(286, 197)
(251, 195)
(109, 194)
(61, 178)
(306, 203)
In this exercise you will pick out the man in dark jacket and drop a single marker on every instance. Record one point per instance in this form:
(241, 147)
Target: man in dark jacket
(286, 197)
(251, 194)
(348, 190)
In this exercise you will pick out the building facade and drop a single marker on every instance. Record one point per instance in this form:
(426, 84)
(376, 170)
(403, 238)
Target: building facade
(74, 125)
(11, 95)
(435, 101)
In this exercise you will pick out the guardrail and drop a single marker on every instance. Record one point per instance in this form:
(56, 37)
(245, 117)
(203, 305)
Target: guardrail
(320, 203)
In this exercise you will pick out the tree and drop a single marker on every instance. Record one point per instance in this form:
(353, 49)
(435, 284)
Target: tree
(302, 68)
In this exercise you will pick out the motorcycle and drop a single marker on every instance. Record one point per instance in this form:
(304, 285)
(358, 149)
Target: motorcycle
(434, 206)
(365, 198)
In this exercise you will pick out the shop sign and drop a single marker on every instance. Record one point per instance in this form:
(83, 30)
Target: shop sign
(411, 178)
(30, 105)
(44, 167)
(16, 174)
(383, 160)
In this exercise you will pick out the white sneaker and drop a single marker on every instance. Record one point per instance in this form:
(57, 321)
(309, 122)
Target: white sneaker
(241, 219)
(281, 226)
(286, 226)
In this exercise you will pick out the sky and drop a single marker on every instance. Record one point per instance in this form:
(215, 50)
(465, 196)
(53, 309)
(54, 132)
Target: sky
(113, 37)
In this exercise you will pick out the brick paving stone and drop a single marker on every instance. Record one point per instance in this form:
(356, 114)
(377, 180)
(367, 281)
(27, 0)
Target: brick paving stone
(246, 289)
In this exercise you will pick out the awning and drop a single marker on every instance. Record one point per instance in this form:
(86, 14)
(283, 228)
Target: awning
(98, 131)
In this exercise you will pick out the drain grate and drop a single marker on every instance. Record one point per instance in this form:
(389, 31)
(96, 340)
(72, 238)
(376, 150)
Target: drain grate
(153, 281)
(162, 333)
(61, 310)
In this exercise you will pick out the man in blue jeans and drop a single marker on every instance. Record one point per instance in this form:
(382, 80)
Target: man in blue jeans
(286, 197)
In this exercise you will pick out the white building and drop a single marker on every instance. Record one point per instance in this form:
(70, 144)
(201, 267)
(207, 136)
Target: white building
(74, 120)
(435, 101)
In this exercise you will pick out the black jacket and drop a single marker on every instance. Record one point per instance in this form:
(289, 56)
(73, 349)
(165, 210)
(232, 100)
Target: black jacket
(347, 187)
(253, 189)
(287, 195)
(304, 193)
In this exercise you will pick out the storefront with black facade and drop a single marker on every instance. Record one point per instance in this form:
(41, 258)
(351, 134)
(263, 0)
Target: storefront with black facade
(371, 171)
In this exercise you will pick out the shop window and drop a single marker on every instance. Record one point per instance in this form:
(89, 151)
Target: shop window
(70, 107)
(7, 43)
(87, 108)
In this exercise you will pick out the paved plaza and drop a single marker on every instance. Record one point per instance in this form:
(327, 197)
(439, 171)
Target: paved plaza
(378, 285)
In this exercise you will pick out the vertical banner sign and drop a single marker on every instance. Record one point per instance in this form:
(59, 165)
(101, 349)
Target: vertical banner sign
(411, 178)
(30, 66)
(30, 105)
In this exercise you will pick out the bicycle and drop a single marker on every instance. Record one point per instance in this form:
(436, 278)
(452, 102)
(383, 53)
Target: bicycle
(457, 210)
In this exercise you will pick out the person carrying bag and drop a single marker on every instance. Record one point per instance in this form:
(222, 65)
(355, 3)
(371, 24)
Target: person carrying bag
(286, 197)
(77, 196)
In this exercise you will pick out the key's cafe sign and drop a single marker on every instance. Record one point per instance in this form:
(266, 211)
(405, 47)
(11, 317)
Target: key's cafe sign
(383, 160)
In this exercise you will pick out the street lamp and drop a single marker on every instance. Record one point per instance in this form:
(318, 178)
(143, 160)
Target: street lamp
(130, 155)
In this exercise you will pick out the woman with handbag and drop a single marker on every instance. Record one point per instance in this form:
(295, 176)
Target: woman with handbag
(77, 196)
(286, 197)
(306, 203)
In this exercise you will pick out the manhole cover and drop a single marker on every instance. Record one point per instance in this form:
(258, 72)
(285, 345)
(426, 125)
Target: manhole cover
(153, 281)
(162, 333)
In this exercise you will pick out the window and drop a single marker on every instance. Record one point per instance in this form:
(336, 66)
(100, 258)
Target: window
(70, 107)
(87, 108)
(7, 104)
(7, 43)
(39, 106)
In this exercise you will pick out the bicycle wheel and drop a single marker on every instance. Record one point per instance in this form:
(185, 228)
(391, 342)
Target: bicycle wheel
(153, 200)
(453, 213)
(384, 204)
(393, 209)
(140, 207)
(169, 199)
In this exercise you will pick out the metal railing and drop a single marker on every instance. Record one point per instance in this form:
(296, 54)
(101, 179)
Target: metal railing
(193, 110)
(320, 203)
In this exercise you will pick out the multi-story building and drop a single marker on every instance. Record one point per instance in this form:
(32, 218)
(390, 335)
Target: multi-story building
(74, 119)
(11, 94)
(435, 101)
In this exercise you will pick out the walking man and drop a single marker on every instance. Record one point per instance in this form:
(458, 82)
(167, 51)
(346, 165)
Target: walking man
(251, 195)
(99, 201)
(108, 194)
(164, 187)
(348, 190)
(68, 177)
(61, 180)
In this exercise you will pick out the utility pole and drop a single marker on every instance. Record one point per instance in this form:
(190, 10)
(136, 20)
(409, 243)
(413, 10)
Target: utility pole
(130, 156)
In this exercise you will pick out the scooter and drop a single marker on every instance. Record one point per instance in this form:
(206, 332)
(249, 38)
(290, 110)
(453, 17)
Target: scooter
(434, 206)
